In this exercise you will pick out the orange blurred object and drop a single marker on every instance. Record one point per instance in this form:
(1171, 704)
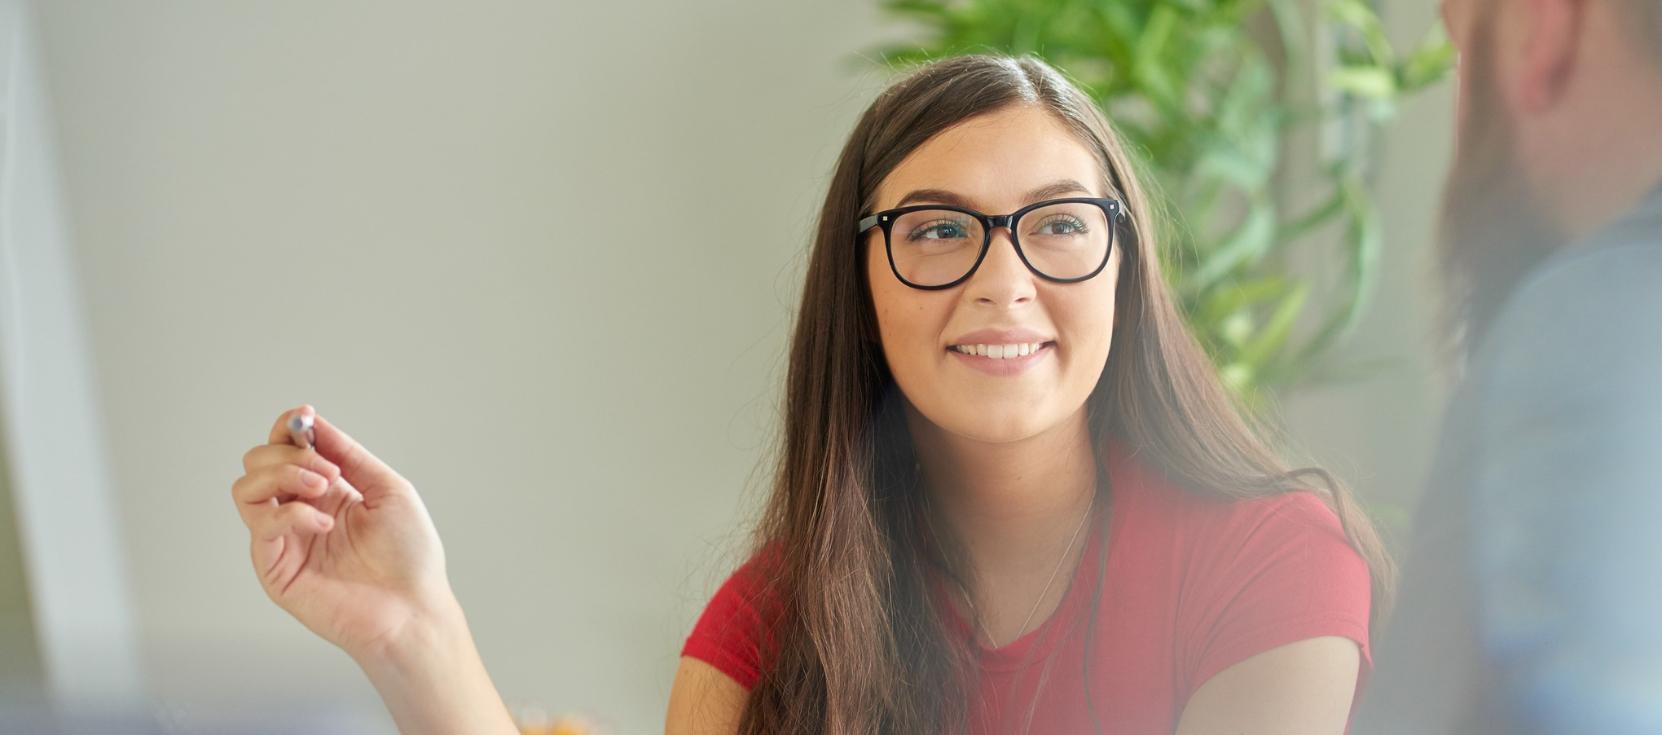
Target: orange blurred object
(564, 726)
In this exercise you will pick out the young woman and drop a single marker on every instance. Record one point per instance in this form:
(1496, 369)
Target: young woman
(1012, 495)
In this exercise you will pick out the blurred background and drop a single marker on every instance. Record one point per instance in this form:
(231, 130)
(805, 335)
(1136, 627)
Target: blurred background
(542, 259)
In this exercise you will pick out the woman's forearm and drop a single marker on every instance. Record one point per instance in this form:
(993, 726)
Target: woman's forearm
(434, 683)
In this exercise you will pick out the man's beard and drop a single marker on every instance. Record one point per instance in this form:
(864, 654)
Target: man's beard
(1494, 227)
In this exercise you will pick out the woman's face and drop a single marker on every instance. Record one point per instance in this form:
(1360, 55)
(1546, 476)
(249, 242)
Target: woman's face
(995, 163)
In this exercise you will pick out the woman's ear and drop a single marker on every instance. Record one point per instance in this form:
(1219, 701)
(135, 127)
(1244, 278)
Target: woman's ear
(1545, 59)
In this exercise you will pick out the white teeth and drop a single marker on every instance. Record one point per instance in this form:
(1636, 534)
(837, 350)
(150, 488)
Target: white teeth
(1000, 352)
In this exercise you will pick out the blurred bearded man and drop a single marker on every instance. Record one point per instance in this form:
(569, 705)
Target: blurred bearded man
(1532, 597)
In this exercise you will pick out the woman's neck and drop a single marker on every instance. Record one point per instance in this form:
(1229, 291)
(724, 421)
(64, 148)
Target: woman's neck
(1013, 508)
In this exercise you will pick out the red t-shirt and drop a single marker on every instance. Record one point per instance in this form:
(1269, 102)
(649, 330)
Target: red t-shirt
(1194, 585)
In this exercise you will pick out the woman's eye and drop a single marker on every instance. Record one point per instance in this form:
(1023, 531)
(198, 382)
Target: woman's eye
(1061, 226)
(939, 231)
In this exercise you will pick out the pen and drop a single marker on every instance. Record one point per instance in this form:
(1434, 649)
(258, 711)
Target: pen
(300, 430)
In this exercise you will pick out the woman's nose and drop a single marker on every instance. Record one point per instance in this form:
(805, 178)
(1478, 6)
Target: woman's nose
(1002, 277)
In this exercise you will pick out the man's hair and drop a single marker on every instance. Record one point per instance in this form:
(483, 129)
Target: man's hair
(1653, 8)
(1646, 22)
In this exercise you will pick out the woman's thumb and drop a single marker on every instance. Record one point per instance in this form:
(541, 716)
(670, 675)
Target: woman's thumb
(357, 465)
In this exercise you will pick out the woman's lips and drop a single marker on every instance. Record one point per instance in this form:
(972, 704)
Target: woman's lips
(1005, 366)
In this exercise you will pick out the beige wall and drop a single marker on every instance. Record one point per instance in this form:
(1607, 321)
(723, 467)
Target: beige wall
(539, 258)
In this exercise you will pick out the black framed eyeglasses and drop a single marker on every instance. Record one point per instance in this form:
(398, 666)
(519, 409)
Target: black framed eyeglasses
(937, 246)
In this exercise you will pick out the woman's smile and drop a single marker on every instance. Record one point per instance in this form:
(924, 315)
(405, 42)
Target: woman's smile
(1002, 359)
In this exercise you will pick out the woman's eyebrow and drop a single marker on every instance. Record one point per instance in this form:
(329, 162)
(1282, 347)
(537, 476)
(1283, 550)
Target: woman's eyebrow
(1048, 191)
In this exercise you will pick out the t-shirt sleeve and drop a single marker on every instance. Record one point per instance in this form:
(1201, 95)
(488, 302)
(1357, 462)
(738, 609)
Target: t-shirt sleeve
(1279, 570)
(736, 624)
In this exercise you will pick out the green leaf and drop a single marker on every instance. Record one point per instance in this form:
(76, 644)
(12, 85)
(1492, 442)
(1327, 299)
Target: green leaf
(1364, 81)
(1430, 62)
(1289, 20)
(1360, 17)
(1236, 376)
(1229, 298)
(1364, 242)
(1235, 329)
(1249, 241)
(1151, 46)
(1116, 32)
(1221, 160)
(1277, 329)
(1315, 218)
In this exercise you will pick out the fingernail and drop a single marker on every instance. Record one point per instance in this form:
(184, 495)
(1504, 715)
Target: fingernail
(312, 479)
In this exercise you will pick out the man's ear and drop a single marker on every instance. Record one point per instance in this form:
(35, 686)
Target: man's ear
(1551, 37)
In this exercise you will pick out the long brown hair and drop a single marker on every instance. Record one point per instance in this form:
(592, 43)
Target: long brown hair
(860, 648)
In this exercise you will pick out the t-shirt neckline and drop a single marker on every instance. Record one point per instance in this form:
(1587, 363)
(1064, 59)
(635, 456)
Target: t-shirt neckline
(1036, 644)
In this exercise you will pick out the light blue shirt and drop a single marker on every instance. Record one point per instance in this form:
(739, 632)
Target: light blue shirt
(1565, 518)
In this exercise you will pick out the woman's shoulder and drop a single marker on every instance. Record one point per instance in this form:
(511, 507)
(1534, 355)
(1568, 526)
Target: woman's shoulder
(1219, 516)
(1248, 574)
(1215, 541)
(737, 623)
(1291, 514)
(1230, 531)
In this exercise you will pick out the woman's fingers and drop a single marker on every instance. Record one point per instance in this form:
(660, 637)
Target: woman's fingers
(266, 455)
(300, 519)
(256, 490)
(358, 465)
(348, 460)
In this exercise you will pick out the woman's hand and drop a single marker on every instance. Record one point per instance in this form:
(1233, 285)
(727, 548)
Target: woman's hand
(341, 541)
